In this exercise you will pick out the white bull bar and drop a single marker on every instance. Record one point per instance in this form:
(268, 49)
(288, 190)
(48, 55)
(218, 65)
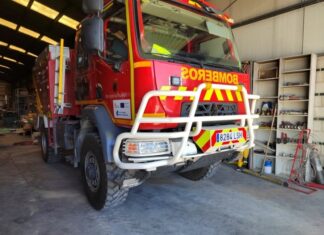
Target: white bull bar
(154, 162)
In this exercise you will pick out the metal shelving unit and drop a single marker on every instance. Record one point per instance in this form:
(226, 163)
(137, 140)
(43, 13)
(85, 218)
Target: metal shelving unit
(293, 93)
(265, 83)
(319, 104)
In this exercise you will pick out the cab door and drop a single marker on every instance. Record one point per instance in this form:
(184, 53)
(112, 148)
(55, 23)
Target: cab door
(113, 71)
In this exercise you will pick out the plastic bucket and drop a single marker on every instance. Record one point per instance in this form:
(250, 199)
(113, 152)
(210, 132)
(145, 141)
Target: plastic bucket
(268, 167)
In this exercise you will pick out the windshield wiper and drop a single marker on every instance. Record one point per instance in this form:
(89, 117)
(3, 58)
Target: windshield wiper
(222, 66)
(191, 60)
(180, 58)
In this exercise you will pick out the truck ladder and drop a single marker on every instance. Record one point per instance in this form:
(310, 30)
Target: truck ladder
(60, 54)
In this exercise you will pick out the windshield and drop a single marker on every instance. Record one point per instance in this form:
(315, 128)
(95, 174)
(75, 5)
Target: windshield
(170, 31)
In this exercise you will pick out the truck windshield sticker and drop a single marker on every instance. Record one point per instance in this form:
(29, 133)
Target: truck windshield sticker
(122, 109)
(209, 76)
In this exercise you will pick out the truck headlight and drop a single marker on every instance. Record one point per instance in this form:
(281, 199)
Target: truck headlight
(140, 148)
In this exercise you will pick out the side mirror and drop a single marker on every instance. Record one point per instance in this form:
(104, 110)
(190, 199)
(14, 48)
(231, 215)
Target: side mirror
(92, 6)
(92, 34)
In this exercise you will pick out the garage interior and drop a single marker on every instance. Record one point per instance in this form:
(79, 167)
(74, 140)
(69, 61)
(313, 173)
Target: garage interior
(275, 188)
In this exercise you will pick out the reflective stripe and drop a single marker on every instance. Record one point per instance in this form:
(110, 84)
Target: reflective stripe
(165, 88)
(239, 96)
(204, 139)
(148, 115)
(229, 95)
(192, 97)
(219, 95)
(181, 88)
(208, 95)
(142, 64)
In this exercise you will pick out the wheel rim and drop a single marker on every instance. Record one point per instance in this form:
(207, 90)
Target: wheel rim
(92, 173)
(44, 143)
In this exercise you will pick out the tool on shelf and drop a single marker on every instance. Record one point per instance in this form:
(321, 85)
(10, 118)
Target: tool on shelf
(293, 112)
(293, 126)
(295, 84)
(291, 97)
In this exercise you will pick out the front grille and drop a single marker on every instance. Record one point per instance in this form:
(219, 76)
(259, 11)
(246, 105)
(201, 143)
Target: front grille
(210, 109)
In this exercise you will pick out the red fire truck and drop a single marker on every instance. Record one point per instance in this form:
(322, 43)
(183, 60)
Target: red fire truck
(150, 85)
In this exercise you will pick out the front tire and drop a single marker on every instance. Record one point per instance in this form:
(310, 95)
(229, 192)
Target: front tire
(102, 181)
(48, 153)
(203, 173)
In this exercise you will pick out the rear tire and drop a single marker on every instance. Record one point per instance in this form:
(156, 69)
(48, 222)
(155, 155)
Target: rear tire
(102, 181)
(202, 173)
(48, 153)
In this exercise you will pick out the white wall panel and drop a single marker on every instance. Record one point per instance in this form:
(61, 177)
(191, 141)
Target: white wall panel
(255, 41)
(246, 9)
(271, 38)
(314, 29)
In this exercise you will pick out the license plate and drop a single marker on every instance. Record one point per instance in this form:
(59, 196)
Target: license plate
(209, 140)
(229, 136)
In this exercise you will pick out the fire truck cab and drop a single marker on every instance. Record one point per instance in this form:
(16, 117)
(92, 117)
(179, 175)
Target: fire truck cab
(151, 84)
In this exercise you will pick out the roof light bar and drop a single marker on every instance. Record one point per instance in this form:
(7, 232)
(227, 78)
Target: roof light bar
(44, 10)
(5, 67)
(28, 32)
(69, 22)
(8, 24)
(12, 47)
(49, 40)
(22, 2)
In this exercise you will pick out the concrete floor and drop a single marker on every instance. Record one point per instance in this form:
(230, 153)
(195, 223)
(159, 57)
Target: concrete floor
(36, 198)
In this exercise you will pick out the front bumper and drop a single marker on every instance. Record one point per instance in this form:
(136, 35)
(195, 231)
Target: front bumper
(180, 156)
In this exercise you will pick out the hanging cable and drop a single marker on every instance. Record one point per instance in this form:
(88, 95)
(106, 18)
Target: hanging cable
(230, 5)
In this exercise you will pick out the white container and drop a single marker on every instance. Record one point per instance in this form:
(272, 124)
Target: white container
(268, 167)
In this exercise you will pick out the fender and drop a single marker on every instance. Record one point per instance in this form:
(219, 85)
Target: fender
(96, 116)
(41, 119)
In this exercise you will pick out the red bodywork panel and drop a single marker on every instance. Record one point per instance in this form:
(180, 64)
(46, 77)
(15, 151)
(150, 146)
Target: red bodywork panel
(191, 78)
